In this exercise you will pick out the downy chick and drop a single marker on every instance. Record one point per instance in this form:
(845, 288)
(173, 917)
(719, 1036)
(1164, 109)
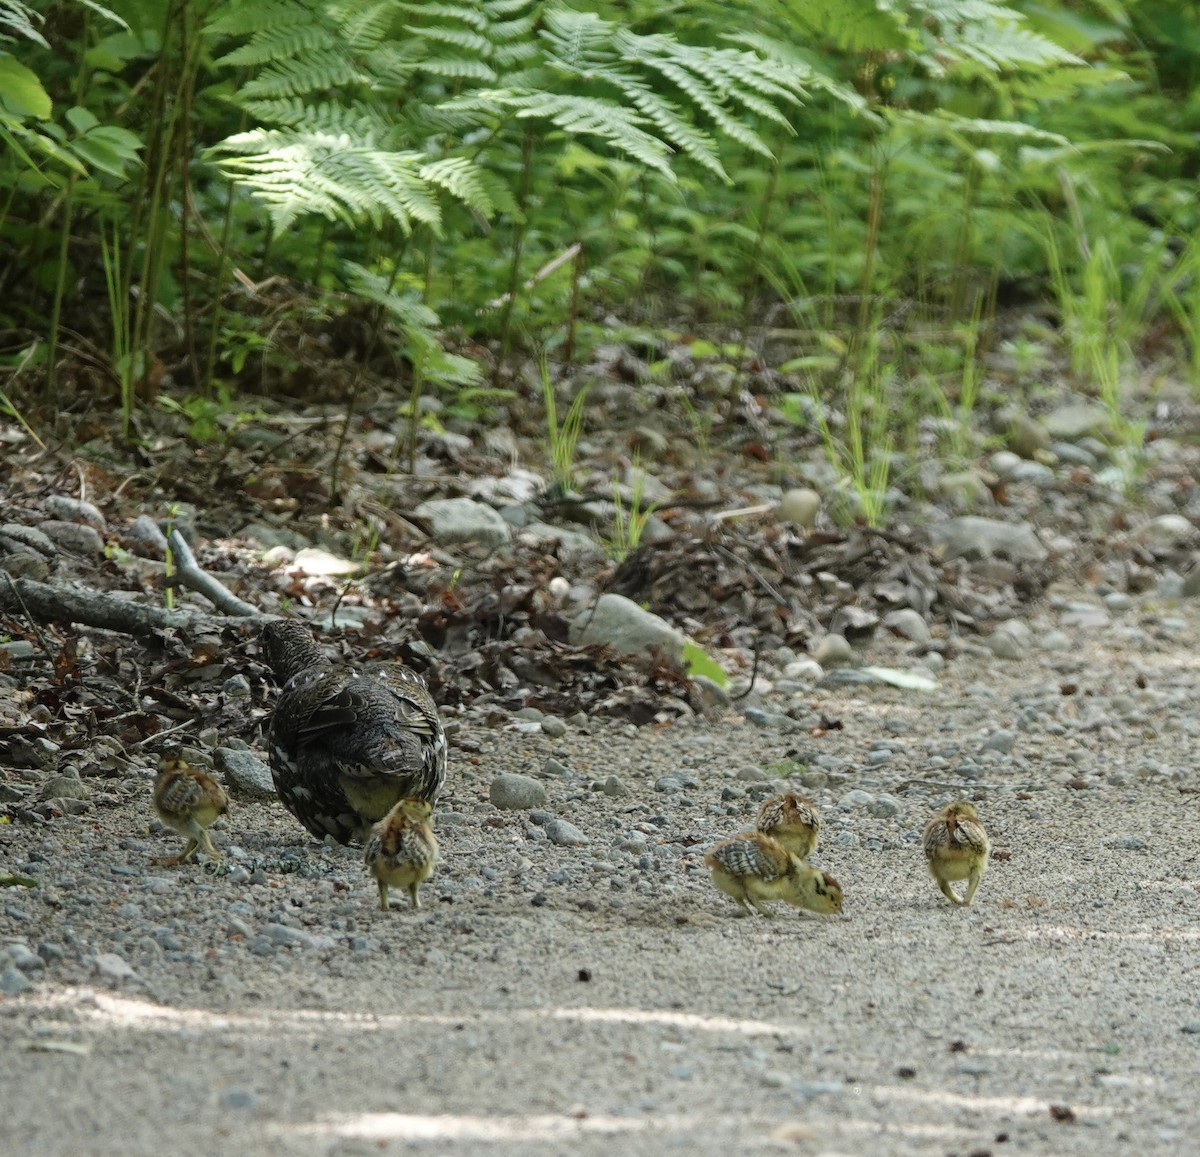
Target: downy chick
(753, 869)
(188, 801)
(956, 847)
(792, 821)
(402, 849)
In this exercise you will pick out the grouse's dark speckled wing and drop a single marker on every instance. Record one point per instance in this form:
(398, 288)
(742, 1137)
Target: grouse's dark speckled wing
(346, 745)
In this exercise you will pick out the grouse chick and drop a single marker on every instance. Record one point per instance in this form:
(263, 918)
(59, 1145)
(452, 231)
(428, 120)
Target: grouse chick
(188, 801)
(402, 850)
(956, 847)
(792, 821)
(346, 745)
(753, 868)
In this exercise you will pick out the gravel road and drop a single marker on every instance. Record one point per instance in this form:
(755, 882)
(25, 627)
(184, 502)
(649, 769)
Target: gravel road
(601, 997)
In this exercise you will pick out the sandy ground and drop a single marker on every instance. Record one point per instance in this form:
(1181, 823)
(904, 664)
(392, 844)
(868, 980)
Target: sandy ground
(606, 999)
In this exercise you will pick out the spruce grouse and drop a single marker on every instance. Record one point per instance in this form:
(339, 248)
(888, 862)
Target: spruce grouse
(347, 744)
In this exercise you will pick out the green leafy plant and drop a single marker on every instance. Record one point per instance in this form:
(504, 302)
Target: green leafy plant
(629, 523)
(561, 437)
(697, 661)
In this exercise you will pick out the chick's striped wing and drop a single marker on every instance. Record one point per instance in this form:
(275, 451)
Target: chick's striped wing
(750, 855)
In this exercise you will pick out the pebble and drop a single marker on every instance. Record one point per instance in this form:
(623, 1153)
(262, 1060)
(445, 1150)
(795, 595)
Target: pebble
(295, 937)
(23, 958)
(111, 966)
(76, 537)
(565, 834)
(804, 670)
(553, 727)
(13, 982)
(76, 510)
(615, 788)
(884, 806)
(1001, 740)
(238, 1099)
(511, 792)
(833, 651)
(800, 507)
(908, 624)
(555, 767)
(856, 798)
(762, 718)
(1008, 641)
(1128, 843)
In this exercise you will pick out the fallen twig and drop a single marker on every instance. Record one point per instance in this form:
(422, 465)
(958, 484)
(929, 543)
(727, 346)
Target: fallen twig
(190, 575)
(93, 609)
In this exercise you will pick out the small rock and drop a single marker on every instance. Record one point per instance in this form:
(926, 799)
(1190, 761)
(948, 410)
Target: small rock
(236, 687)
(1026, 436)
(619, 623)
(15, 535)
(799, 507)
(712, 694)
(565, 834)
(908, 624)
(64, 787)
(555, 767)
(1166, 533)
(455, 520)
(76, 537)
(245, 773)
(23, 958)
(25, 564)
(668, 783)
(1010, 640)
(13, 982)
(295, 937)
(1077, 420)
(964, 490)
(1128, 843)
(511, 792)
(761, 718)
(833, 651)
(804, 670)
(856, 798)
(144, 537)
(238, 1099)
(555, 728)
(1000, 740)
(614, 788)
(76, 510)
(113, 967)
(884, 807)
(974, 537)
(1003, 463)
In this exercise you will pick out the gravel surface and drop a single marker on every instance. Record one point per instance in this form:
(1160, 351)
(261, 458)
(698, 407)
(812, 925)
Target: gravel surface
(574, 983)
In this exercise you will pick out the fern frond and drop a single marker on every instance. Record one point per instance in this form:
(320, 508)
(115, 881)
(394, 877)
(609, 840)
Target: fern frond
(302, 171)
(460, 178)
(20, 20)
(579, 116)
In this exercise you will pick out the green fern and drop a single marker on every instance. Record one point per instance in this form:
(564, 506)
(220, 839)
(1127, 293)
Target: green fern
(356, 121)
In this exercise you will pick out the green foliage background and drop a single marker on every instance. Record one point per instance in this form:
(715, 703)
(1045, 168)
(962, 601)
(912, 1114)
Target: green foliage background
(501, 176)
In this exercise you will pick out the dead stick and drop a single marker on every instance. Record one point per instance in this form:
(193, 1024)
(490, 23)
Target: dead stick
(188, 572)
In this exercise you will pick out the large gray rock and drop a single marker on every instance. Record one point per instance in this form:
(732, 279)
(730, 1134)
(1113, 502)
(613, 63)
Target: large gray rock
(511, 792)
(975, 537)
(245, 773)
(1078, 420)
(621, 624)
(464, 520)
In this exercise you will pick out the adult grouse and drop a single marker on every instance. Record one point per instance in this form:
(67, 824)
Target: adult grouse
(346, 745)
